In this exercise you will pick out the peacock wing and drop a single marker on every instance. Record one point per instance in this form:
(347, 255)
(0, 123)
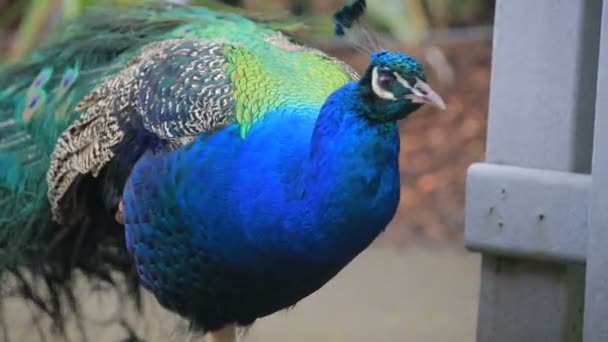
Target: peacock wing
(175, 89)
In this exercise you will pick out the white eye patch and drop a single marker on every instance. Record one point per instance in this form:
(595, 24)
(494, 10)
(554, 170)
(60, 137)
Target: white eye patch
(378, 90)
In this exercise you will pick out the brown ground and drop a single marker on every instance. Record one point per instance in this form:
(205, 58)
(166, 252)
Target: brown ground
(385, 295)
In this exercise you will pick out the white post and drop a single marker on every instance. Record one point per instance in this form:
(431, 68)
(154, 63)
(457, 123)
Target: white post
(541, 117)
(596, 294)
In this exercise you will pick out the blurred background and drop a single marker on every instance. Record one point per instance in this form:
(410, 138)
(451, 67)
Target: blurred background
(417, 282)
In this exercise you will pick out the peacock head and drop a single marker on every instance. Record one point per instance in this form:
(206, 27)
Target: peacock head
(394, 85)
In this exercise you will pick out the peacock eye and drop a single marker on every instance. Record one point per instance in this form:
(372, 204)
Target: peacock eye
(386, 79)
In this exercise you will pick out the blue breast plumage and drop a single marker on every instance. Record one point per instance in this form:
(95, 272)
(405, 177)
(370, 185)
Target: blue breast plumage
(228, 229)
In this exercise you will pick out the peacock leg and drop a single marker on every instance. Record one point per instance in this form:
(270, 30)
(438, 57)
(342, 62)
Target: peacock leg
(120, 216)
(227, 334)
(241, 332)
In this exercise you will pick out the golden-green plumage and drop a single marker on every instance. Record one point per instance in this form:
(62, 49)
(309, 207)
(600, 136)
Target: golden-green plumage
(265, 81)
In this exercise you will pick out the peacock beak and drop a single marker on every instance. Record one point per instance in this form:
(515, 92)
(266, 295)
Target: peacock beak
(422, 93)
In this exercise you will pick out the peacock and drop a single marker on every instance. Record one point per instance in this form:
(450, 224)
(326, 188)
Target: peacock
(206, 155)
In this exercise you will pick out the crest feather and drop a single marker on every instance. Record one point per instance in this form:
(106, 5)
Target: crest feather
(348, 15)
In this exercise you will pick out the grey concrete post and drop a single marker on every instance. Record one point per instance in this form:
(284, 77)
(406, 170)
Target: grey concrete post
(541, 116)
(596, 294)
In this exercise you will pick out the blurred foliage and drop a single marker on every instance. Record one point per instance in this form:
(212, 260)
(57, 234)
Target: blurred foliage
(23, 23)
(406, 20)
(424, 15)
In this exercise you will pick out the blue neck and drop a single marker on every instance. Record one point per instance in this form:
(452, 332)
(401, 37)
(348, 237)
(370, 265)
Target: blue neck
(352, 178)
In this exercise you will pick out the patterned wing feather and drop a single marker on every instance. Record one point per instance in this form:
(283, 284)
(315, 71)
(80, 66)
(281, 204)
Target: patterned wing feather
(174, 89)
